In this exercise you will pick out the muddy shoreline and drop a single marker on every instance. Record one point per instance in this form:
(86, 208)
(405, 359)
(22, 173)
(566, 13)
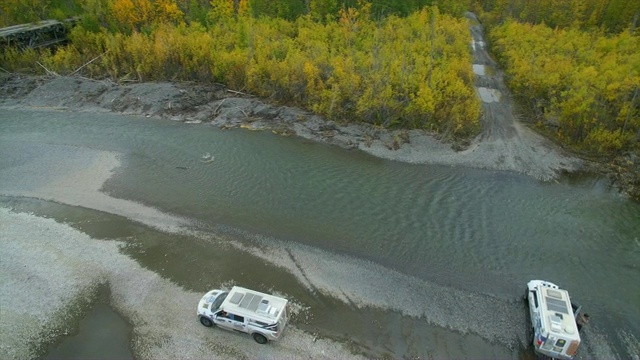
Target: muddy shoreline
(78, 184)
(503, 145)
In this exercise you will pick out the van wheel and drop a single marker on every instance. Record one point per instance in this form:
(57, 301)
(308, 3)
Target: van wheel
(206, 322)
(259, 338)
(525, 297)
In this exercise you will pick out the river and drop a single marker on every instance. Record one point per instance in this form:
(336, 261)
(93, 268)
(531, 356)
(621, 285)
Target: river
(476, 233)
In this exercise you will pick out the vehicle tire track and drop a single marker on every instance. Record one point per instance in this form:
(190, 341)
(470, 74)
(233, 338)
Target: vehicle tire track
(512, 145)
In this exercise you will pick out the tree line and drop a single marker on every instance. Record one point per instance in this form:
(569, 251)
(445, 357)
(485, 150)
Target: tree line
(613, 16)
(610, 16)
(23, 11)
(584, 85)
(409, 72)
(572, 63)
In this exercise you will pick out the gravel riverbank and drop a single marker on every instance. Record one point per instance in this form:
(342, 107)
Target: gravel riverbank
(53, 266)
(82, 264)
(504, 144)
(48, 265)
(164, 325)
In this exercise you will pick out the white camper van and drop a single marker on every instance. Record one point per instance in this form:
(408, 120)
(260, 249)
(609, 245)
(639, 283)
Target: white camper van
(262, 315)
(554, 321)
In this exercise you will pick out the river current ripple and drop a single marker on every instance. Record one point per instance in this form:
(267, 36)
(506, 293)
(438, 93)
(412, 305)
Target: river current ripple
(457, 231)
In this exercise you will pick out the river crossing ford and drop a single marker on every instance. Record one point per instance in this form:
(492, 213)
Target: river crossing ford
(116, 225)
(379, 257)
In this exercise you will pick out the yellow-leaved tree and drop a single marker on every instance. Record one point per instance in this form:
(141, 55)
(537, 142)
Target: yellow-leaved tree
(133, 15)
(583, 84)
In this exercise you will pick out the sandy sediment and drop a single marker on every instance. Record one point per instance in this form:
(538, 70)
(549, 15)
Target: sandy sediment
(362, 284)
(48, 265)
(64, 264)
(77, 181)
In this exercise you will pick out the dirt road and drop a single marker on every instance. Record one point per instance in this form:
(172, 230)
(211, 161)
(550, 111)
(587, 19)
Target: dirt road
(504, 143)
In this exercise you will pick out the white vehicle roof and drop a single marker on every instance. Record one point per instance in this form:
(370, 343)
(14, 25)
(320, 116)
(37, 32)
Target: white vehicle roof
(556, 311)
(259, 306)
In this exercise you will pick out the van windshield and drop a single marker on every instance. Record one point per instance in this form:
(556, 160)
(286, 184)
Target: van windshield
(216, 304)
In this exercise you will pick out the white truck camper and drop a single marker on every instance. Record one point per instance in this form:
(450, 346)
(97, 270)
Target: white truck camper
(553, 317)
(263, 316)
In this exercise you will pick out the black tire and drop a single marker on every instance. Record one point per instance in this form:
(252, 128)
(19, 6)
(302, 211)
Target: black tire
(259, 338)
(206, 322)
(525, 297)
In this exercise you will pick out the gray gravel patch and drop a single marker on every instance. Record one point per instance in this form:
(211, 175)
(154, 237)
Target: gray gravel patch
(46, 265)
(362, 283)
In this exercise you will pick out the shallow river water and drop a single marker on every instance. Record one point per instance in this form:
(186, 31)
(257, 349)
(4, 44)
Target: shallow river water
(472, 232)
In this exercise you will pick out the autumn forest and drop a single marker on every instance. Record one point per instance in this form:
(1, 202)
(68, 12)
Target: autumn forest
(572, 65)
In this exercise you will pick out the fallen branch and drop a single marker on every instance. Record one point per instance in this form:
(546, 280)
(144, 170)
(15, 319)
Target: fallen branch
(47, 70)
(237, 92)
(89, 62)
(89, 79)
(215, 111)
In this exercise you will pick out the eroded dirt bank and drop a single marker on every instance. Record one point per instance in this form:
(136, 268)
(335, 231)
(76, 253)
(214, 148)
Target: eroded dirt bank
(503, 145)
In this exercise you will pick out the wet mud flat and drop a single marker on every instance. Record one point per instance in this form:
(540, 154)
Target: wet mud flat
(318, 318)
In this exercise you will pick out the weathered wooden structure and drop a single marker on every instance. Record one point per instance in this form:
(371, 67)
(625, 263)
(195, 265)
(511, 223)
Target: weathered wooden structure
(45, 33)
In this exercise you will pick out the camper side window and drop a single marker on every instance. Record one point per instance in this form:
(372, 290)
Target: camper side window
(236, 318)
(535, 298)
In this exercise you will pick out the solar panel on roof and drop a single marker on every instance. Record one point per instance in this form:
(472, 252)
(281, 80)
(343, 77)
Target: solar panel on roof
(235, 299)
(253, 305)
(556, 305)
(263, 306)
(251, 301)
(554, 293)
